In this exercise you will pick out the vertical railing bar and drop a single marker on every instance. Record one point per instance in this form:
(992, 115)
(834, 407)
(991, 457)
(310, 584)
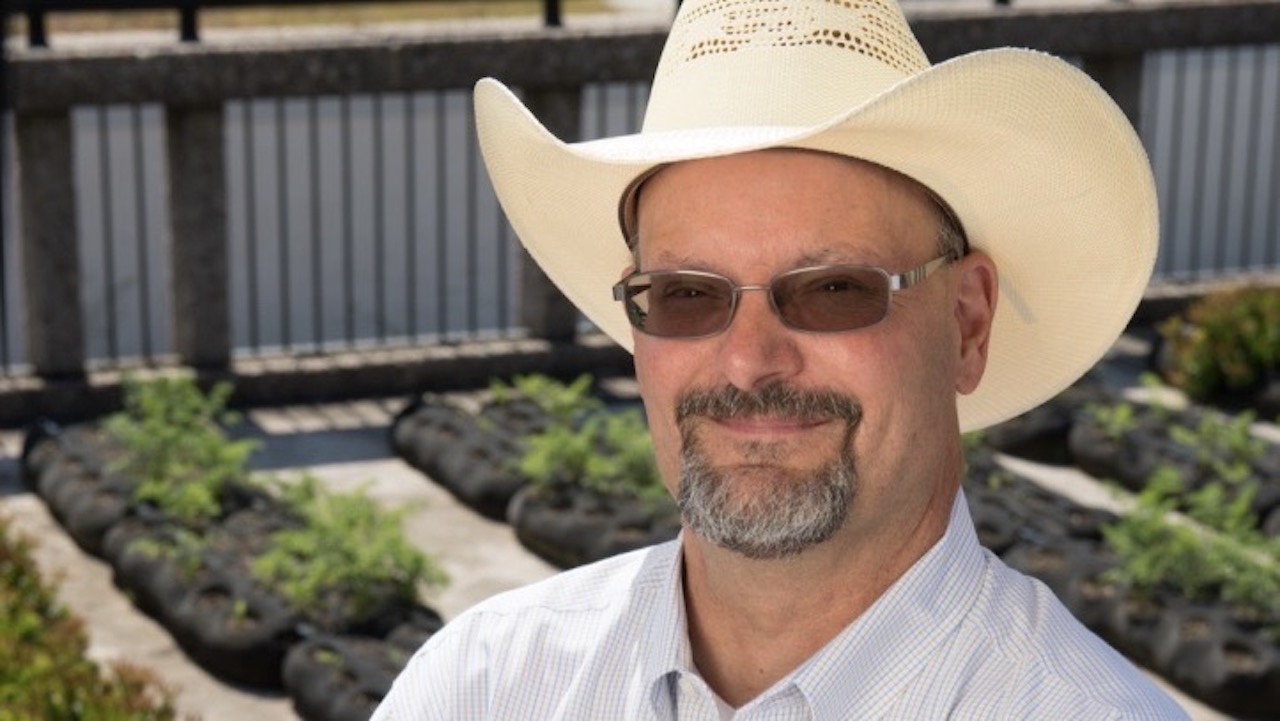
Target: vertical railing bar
(410, 217)
(282, 217)
(1175, 134)
(442, 291)
(1251, 144)
(188, 23)
(1151, 136)
(379, 227)
(1201, 159)
(633, 101)
(144, 243)
(250, 235)
(317, 275)
(37, 29)
(348, 221)
(108, 235)
(504, 271)
(473, 232)
(1273, 212)
(551, 13)
(602, 110)
(6, 179)
(1224, 187)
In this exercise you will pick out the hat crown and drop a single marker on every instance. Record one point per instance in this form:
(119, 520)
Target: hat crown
(778, 62)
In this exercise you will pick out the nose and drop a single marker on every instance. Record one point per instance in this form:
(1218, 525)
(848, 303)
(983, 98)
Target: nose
(757, 349)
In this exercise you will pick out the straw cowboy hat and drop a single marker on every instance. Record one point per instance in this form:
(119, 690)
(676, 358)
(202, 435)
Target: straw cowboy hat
(1040, 166)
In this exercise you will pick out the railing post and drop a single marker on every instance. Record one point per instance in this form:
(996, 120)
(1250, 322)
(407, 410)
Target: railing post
(1121, 77)
(551, 13)
(199, 254)
(188, 23)
(50, 254)
(37, 36)
(546, 312)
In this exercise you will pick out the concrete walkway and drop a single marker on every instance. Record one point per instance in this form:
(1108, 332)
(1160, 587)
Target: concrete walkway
(346, 446)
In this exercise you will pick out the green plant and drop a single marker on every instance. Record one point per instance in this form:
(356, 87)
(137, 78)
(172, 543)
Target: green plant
(346, 550)
(562, 402)
(1220, 553)
(973, 441)
(328, 657)
(181, 545)
(1219, 436)
(1160, 407)
(1227, 341)
(559, 453)
(609, 453)
(43, 670)
(175, 446)
(1224, 446)
(1115, 419)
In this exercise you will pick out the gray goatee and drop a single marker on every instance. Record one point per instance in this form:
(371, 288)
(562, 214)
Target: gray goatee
(782, 518)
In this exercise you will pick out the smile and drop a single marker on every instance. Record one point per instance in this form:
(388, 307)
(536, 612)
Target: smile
(767, 425)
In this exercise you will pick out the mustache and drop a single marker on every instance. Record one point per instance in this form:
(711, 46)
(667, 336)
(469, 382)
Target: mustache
(773, 400)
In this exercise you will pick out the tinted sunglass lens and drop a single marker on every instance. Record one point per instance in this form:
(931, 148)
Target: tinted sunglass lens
(680, 304)
(832, 299)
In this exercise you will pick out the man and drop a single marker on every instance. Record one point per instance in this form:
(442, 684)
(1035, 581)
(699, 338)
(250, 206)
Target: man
(805, 246)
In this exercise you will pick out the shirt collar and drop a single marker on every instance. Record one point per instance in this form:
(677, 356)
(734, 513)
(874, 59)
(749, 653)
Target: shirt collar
(670, 653)
(879, 653)
(883, 650)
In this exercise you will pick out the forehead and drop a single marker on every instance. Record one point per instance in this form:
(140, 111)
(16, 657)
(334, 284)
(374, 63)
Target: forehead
(814, 206)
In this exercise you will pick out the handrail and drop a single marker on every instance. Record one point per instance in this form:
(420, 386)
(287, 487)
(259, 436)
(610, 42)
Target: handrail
(51, 79)
(188, 12)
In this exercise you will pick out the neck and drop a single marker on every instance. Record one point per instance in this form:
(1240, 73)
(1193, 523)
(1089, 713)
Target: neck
(752, 622)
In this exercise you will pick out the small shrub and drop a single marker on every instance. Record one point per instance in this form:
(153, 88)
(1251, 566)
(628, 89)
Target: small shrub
(184, 547)
(43, 670)
(1221, 555)
(1225, 447)
(347, 548)
(1114, 420)
(562, 402)
(1227, 342)
(609, 453)
(176, 448)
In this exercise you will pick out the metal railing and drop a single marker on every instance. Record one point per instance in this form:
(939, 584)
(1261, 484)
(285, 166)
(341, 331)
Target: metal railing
(227, 205)
(188, 11)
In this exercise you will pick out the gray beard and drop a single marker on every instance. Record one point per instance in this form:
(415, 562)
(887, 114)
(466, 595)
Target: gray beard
(790, 513)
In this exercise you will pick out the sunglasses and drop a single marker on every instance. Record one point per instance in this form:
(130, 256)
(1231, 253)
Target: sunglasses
(818, 299)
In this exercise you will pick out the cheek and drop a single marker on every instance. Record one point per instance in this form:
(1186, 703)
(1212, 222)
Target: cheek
(666, 446)
(900, 384)
(656, 373)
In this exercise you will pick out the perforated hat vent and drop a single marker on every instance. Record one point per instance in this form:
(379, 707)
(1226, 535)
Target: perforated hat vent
(760, 63)
(870, 28)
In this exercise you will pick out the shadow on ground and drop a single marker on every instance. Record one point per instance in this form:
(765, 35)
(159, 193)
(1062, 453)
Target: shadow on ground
(314, 448)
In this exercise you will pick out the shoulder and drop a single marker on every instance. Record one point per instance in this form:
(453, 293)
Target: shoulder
(528, 646)
(583, 590)
(1046, 664)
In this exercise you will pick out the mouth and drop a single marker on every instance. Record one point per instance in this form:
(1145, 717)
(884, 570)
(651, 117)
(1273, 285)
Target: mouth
(768, 426)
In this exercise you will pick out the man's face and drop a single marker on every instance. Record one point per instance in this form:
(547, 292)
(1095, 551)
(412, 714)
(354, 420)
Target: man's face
(776, 440)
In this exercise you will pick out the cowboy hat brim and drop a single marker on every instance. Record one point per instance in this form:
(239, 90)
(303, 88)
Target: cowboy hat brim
(1040, 165)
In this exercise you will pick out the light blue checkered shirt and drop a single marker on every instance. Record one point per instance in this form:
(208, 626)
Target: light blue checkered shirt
(959, 636)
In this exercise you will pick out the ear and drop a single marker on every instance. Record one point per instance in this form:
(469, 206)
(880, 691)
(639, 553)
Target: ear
(976, 297)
